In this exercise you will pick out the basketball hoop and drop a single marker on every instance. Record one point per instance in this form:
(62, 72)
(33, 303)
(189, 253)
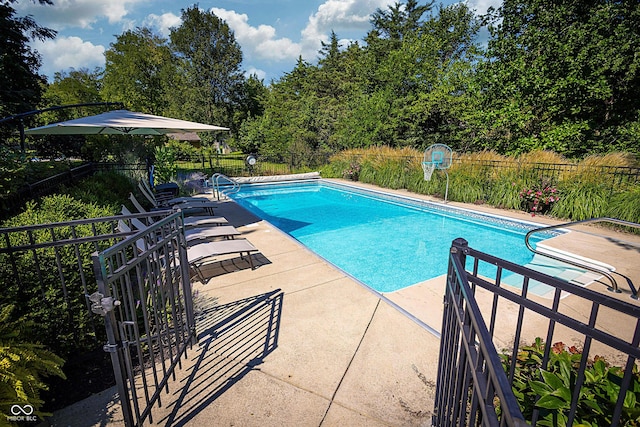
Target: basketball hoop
(428, 168)
(437, 156)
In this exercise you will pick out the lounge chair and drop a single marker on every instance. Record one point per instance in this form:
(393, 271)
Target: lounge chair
(192, 235)
(160, 201)
(201, 253)
(190, 221)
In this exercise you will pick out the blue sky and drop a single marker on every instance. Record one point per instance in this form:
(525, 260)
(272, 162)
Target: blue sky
(271, 33)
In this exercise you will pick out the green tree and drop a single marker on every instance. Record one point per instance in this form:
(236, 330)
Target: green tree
(73, 87)
(140, 71)
(68, 88)
(210, 60)
(419, 69)
(19, 63)
(563, 76)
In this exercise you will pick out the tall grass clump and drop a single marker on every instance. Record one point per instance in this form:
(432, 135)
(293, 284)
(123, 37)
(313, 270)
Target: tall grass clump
(625, 205)
(581, 200)
(583, 189)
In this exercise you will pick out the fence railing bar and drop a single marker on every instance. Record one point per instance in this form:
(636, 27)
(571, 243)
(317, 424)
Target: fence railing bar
(477, 342)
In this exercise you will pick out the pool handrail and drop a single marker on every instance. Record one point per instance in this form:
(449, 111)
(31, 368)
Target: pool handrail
(607, 274)
(215, 182)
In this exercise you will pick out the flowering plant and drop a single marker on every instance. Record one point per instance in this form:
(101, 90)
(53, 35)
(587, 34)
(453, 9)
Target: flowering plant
(352, 172)
(540, 197)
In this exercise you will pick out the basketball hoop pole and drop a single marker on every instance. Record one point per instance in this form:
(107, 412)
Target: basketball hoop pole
(446, 191)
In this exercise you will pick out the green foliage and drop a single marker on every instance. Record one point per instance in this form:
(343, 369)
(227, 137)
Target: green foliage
(562, 76)
(19, 62)
(550, 390)
(580, 192)
(140, 70)
(165, 165)
(15, 174)
(211, 80)
(23, 364)
(65, 324)
(504, 193)
(104, 189)
(582, 200)
(625, 205)
(466, 187)
(184, 151)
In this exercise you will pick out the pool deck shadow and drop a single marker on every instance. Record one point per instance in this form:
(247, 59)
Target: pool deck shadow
(297, 342)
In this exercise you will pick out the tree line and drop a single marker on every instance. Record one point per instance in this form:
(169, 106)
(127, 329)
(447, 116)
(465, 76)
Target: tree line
(529, 75)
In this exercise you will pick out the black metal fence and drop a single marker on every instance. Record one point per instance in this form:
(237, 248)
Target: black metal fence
(580, 365)
(237, 165)
(613, 175)
(45, 272)
(144, 295)
(61, 276)
(11, 204)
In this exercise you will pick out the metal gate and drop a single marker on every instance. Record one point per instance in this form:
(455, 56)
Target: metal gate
(144, 295)
(480, 314)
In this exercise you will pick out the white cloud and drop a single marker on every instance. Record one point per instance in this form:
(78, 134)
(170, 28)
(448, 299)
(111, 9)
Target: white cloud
(481, 6)
(64, 53)
(336, 15)
(163, 23)
(76, 13)
(262, 42)
(258, 42)
(255, 71)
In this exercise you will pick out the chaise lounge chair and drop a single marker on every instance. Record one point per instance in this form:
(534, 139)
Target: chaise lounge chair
(160, 201)
(191, 221)
(202, 253)
(192, 235)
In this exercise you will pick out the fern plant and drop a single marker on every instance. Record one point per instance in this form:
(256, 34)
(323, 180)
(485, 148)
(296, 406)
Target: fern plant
(22, 367)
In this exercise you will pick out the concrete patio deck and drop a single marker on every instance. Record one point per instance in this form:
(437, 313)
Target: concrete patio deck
(297, 342)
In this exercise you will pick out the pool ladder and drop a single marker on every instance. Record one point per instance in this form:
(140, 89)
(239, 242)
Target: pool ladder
(608, 274)
(229, 185)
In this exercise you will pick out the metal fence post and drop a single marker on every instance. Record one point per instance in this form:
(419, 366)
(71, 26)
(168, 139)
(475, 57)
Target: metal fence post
(114, 343)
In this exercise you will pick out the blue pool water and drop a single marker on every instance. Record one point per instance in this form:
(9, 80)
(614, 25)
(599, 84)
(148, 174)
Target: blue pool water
(385, 241)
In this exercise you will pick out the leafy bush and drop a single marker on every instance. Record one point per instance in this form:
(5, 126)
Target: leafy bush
(549, 390)
(165, 165)
(539, 198)
(22, 365)
(31, 280)
(107, 189)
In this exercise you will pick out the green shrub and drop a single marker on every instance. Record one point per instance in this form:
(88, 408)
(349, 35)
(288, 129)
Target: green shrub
(581, 200)
(107, 189)
(625, 205)
(166, 167)
(23, 365)
(550, 390)
(504, 193)
(39, 296)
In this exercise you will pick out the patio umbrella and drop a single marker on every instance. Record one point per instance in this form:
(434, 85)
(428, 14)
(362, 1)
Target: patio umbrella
(122, 122)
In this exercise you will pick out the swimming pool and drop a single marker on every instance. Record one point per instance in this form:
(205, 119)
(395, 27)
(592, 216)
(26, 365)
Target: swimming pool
(385, 241)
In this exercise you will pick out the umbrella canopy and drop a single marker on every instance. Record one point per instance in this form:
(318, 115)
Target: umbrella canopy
(122, 122)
